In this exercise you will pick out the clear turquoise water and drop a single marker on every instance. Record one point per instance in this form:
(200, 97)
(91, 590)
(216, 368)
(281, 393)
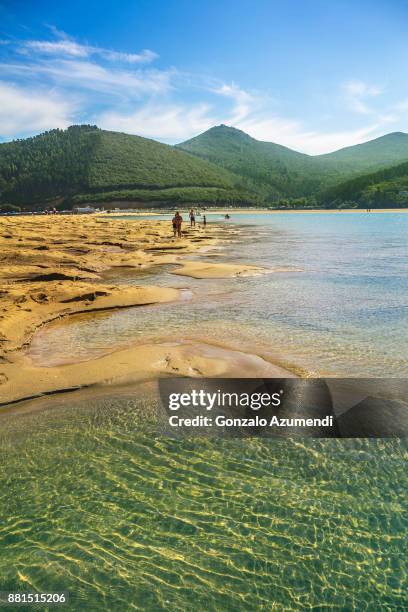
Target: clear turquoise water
(94, 503)
(340, 308)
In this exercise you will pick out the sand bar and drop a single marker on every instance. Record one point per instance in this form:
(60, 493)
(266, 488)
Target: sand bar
(53, 267)
(196, 269)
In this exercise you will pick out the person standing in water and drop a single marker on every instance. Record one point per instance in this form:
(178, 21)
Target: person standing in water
(204, 221)
(178, 220)
(192, 218)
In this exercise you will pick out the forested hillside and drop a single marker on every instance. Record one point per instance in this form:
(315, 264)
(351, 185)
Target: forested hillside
(290, 178)
(221, 166)
(270, 169)
(47, 166)
(86, 164)
(369, 156)
(382, 189)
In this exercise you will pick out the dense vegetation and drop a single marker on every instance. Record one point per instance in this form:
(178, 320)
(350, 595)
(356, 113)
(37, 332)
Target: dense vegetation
(204, 195)
(369, 156)
(48, 166)
(290, 179)
(269, 169)
(221, 166)
(387, 187)
(84, 163)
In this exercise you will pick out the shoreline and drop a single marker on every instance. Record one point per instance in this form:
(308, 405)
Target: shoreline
(53, 269)
(166, 211)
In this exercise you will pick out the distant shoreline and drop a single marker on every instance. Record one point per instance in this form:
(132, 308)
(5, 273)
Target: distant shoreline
(241, 211)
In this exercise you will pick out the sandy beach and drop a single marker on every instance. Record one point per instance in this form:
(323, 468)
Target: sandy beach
(53, 267)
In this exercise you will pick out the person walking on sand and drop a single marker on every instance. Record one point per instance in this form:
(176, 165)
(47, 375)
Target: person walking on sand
(204, 221)
(174, 223)
(179, 220)
(192, 218)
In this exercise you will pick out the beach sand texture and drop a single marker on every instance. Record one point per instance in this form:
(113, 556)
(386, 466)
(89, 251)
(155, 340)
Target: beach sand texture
(52, 267)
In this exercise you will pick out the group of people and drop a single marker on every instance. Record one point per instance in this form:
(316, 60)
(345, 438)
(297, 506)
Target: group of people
(178, 220)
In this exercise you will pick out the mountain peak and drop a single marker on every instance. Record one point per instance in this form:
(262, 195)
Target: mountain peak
(226, 130)
(392, 136)
(398, 134)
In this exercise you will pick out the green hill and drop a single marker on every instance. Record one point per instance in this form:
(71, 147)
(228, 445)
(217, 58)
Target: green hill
(221, 166)
(86, 164)
(385, 188)
(279, 173)
(380, 152)
(270, 169)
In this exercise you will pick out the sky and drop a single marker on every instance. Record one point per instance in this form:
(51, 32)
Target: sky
(312, 75)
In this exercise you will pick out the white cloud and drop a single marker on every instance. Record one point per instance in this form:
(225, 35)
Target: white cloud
(357, 92)
(89, 75)
(67, 46)
(250, 113)
(144, 57)
(292, 134)
(119, 92)
(177, 122)
(169, 123)
(315, 143)
(60, 47)
(24, 111)
(244, 103)
(359, 88)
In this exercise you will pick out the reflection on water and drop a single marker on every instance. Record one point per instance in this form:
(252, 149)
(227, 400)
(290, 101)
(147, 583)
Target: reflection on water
(92, 502)
(344, 313)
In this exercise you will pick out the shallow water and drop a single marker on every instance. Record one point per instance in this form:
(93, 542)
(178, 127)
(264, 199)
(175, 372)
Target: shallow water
(336, 305)
(93, 503)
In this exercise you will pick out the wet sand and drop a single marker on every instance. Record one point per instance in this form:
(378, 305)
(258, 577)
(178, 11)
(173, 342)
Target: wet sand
(52, 267)
(200, 269)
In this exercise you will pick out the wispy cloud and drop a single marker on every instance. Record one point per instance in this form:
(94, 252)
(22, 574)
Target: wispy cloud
(170, 123)
(295, 135)
(53, 82)
(26, 110)
(71, 48)
(94, 76)
(89, 75)
(60, 47)
(357, 93)
(67, 46)
(243, 102)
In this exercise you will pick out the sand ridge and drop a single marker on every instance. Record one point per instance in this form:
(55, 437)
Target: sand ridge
(198, 269)
(126, 366)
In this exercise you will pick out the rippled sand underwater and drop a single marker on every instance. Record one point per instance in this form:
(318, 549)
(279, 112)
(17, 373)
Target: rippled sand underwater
(93, 503)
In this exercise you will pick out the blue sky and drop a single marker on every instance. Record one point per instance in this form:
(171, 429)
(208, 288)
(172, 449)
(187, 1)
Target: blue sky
(312, 75)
